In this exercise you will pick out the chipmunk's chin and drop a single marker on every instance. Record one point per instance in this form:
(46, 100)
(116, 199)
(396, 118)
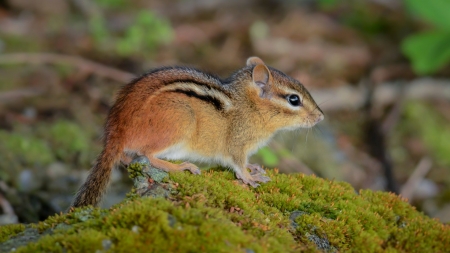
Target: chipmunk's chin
(308, 124)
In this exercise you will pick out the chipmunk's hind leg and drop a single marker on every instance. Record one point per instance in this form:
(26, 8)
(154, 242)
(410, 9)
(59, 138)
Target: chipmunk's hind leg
(150, 153)
(172, 167)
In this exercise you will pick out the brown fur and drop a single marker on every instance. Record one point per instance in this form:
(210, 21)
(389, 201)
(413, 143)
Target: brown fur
(185, 112)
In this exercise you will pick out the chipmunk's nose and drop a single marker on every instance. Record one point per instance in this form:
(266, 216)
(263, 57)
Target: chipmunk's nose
(320, 118)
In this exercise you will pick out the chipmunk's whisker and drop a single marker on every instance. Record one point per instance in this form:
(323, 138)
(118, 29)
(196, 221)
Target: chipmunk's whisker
(323, 102)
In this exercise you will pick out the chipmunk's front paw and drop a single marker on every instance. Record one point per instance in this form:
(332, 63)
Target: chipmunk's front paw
(253, 178)
(247, 180)
(260, 178)
(191, 167)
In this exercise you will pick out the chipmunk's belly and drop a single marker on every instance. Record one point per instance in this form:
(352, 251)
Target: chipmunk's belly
(183, 153)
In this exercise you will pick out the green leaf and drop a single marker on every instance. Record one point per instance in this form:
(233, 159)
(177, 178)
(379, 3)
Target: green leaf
(427, 51)
(436, 12)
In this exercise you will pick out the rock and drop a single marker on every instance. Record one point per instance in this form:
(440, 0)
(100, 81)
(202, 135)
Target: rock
(29, 181)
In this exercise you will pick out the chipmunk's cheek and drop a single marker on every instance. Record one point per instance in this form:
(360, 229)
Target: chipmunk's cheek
(303, 121)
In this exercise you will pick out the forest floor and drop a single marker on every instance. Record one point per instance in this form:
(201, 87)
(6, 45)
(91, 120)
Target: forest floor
(62, 62)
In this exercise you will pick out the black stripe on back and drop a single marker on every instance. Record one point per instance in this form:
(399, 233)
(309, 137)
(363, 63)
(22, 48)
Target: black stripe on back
(209, 99)
(205, 85)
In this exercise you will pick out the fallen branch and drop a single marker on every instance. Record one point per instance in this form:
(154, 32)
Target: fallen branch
(416, 177)
(76, 61)
(6, 206)
(8, 216)
(14, 95)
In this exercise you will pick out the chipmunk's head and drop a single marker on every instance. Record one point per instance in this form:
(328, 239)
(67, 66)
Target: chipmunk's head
(288, 103)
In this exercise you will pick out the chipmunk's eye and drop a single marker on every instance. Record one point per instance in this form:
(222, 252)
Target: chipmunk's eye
(294, 100)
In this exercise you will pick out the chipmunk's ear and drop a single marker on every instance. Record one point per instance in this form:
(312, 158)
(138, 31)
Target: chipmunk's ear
(254, 61)
(262, 78)
(261, 75)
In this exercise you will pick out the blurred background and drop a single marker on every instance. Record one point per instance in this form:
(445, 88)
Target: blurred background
(378, 68)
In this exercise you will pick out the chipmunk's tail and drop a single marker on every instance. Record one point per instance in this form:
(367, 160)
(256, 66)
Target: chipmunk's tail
(91, 192)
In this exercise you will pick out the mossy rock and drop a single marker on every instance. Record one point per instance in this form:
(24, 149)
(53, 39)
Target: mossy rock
(213, 212)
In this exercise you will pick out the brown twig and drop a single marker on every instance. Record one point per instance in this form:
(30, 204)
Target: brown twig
(372, 167)
(81, 63)
(392, 117)
(18, 94)
(6, 206)
(419, 173)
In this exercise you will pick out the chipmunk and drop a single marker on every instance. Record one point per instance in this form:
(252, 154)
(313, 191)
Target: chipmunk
(181, 113)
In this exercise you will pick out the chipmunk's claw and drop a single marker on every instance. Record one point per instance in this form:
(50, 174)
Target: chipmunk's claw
(260, 178)
(248, 181)
(255, 169)
(252, 179)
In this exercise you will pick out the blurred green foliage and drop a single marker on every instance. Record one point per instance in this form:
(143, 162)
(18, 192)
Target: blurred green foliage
(268, 156)
(143, 36)
(326, 4)
(68, 141)
(436, 12)
(27, 150)
(111, 3)
(359, 15)
(423, 121)
(147, 33)
(430, 50)
(62, 140)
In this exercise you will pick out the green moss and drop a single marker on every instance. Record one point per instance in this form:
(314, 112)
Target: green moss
(7, 231)
(134, 170)
(213, 212)
(88, 241)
